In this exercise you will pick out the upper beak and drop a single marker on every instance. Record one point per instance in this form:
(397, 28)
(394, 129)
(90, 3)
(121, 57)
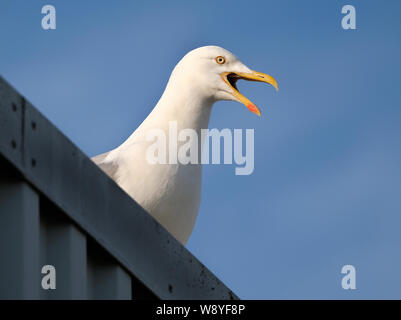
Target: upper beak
(232, 77)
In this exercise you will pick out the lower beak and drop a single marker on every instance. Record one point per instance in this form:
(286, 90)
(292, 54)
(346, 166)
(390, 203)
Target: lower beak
(232, 77)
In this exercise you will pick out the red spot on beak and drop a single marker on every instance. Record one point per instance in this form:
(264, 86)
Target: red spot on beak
(251, 107)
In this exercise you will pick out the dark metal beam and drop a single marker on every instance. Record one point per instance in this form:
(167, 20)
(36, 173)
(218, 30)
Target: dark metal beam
(55, 167)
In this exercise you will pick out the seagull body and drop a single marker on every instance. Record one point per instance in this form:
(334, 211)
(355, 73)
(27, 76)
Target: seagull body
(171, 192)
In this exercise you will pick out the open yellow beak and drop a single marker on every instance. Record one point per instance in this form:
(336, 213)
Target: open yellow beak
(232, 77)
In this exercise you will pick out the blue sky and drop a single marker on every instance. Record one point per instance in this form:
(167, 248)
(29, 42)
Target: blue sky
(326, 187)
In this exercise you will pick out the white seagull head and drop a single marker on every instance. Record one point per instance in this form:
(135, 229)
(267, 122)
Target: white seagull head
(213, 71)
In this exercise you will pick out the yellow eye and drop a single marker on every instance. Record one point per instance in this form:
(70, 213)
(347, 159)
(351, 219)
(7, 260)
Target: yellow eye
(220, 60)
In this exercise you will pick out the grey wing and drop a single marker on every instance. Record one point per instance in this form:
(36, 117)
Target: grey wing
(110, 168)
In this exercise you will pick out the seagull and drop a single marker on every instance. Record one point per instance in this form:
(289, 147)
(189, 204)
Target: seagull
(171, 192)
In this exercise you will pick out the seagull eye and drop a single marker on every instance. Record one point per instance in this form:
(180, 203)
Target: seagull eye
(220, 60)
